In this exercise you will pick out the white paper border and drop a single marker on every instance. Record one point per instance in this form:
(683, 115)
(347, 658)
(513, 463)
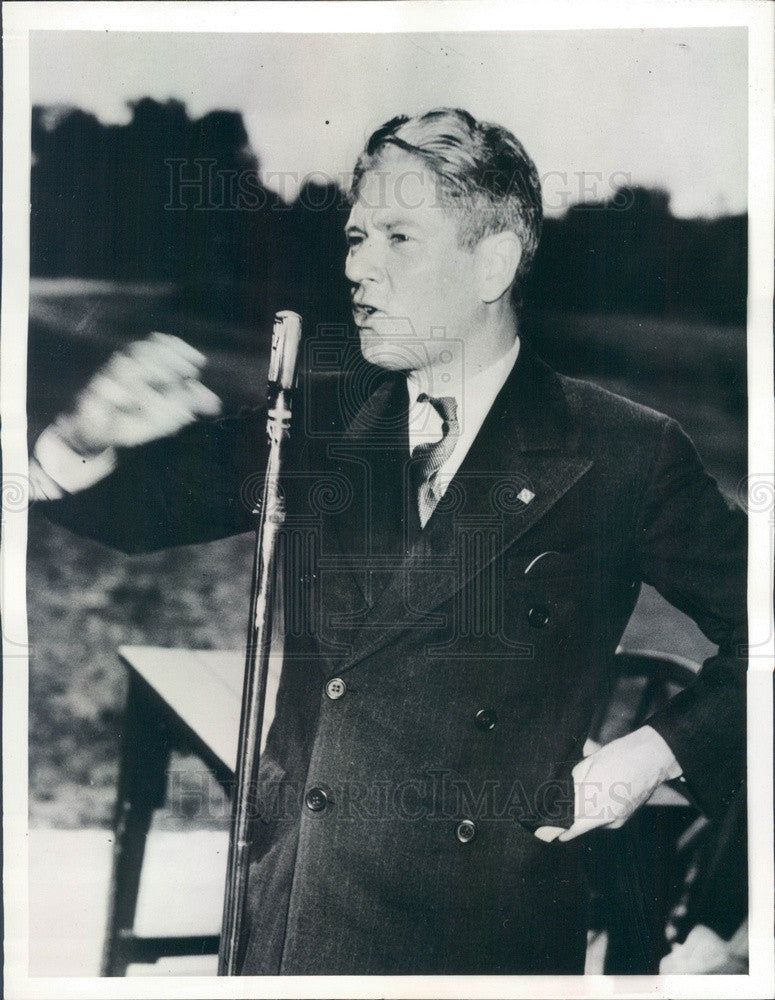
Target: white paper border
(19, 19)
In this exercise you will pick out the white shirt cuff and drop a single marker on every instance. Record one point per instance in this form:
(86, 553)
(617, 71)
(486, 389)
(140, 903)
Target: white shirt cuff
(70, 470)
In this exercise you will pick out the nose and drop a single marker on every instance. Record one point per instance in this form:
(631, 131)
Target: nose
(364, 262)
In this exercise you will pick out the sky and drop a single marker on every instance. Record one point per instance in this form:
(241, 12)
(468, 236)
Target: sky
(595, 108)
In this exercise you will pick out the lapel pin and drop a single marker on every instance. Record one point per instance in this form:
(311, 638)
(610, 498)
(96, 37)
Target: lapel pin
(525, 495)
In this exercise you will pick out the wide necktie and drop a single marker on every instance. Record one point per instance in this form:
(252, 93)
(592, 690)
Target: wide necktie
(427, 459)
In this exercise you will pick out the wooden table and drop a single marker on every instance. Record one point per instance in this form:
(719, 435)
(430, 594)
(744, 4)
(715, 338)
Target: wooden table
(178, 699)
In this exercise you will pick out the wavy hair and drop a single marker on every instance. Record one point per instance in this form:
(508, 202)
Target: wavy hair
(486, 178)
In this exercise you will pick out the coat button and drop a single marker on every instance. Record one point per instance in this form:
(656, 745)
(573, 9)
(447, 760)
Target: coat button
(538, 616)
(466, 831)
(485, 719)
(335, 688)
(316, 800)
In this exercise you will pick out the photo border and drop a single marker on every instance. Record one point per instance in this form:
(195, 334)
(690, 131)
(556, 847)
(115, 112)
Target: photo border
(381, 17)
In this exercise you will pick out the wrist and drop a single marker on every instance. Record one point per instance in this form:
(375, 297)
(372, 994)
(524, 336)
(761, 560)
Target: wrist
(70, 469)
(660, 752)
(67, 431)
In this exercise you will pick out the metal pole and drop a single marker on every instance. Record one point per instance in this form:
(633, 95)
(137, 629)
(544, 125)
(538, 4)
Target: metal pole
(286, 337)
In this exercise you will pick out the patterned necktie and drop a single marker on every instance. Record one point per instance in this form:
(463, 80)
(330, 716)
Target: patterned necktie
(427, 459)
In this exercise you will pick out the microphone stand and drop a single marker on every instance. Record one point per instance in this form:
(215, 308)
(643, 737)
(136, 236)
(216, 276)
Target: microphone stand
(286, 337)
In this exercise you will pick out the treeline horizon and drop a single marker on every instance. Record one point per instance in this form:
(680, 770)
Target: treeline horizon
(168, 198)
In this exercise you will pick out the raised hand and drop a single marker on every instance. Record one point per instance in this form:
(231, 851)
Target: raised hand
(149, 390)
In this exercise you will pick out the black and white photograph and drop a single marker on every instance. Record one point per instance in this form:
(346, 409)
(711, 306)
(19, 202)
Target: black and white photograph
(388, 499)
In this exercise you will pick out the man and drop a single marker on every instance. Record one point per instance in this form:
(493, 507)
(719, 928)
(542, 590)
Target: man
(470, 536)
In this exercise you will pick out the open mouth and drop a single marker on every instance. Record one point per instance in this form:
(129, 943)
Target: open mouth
(363, 312)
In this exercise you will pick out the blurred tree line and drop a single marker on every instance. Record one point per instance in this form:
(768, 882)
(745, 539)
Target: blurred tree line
(167, 198)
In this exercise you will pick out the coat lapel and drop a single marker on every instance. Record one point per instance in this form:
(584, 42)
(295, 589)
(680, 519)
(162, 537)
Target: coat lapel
(524, 459)
(362, 541)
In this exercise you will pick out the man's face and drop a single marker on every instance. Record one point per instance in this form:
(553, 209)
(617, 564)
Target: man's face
(409, 276)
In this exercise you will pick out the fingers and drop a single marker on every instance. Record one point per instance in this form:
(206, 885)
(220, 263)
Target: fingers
(549, 833)
(579, 827)
(146, 377)
(203, 401)
(178, 346)
(150, 389)
(164, 356)
(562, 834)
(150, 363)
(613, 782)
(593, 807)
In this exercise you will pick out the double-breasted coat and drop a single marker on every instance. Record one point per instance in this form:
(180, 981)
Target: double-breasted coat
(439, 685)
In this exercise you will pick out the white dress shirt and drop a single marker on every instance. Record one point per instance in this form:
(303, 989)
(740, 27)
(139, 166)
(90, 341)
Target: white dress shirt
(474, 395)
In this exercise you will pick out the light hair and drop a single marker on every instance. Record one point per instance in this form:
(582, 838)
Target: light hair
(485, 176)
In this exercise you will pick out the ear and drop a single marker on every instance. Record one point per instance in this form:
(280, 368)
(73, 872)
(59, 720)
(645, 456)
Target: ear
(496, 259)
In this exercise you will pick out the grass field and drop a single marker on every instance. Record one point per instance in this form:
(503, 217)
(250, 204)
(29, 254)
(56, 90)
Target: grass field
(85, 600)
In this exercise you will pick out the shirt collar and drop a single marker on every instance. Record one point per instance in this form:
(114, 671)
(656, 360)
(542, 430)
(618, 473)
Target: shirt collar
(474, 395)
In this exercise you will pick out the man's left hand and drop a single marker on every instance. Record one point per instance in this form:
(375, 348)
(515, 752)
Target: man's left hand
(614, 781)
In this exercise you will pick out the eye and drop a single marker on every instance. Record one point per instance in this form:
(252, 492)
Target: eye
(354, 240)
(398, 238)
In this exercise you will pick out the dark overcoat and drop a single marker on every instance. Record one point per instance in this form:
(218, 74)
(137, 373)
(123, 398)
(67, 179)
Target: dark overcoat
(439, 685)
